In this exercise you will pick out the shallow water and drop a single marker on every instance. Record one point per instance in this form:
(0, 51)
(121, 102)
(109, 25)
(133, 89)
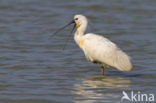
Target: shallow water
(35, 69)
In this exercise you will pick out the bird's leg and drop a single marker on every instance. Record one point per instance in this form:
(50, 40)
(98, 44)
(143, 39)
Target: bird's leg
(102, 69)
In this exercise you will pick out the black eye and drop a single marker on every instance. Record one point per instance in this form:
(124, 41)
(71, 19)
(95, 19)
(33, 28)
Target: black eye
(76, 18)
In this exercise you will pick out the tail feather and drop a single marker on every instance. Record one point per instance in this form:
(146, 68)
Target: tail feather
(123, 62)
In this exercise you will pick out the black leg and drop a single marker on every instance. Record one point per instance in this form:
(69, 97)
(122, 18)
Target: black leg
(102, 69)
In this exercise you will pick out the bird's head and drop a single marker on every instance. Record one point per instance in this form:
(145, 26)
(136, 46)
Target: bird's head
(80, 21)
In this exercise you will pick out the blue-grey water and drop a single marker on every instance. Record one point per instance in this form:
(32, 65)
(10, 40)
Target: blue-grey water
(35, 69)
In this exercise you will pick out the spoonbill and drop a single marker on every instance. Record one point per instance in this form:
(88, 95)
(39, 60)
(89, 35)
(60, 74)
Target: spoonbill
(98, 49)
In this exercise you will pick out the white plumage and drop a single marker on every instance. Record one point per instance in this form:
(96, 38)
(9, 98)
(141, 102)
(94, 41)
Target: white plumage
(98, 49)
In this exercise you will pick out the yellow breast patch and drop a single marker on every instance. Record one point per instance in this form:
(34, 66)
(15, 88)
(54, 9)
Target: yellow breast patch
(81, 42)
(77, 32)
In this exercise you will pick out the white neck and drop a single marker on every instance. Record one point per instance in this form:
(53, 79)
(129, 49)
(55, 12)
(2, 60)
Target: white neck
(80, 31)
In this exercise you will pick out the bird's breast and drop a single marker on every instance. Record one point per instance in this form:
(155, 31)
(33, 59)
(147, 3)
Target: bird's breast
(77, 32)
(81, 43)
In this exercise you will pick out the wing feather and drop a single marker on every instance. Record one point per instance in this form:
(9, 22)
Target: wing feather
(98, 48)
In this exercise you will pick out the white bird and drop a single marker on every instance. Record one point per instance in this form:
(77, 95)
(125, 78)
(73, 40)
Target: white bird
(99, 49)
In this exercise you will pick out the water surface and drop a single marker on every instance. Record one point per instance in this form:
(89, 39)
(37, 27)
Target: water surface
(35, 69)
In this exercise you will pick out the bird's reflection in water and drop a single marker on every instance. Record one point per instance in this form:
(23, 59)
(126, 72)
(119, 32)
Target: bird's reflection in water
(100, 89)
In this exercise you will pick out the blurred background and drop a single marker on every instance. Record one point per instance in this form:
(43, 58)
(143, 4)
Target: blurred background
(35, 69)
